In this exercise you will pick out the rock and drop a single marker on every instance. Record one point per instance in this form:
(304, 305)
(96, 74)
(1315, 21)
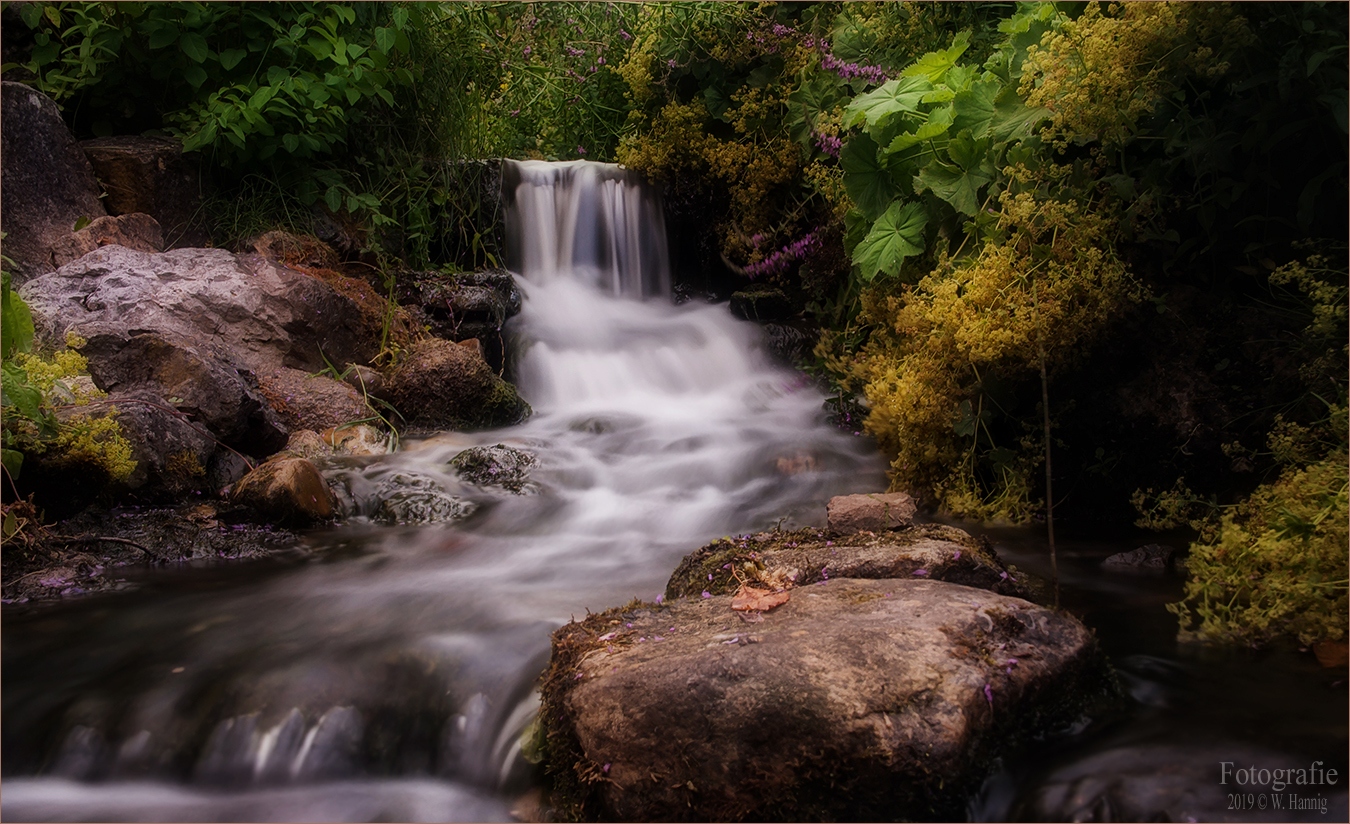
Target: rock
(855, 700)
(196, 381)
(761, 303)
(307, 444)
(48, 183)
(875, 512)
(781, 560)
(1151, 557)
(151, 175)
(360, 440)
(286, 490)
(307, 401)
(439, 385)
(788, 342)
(363, 379)
(134, 231)
(295, 250)
(225, 470)
(497, 465)
(466, 305)
(414, 498)
(173, 457)
(262, 314)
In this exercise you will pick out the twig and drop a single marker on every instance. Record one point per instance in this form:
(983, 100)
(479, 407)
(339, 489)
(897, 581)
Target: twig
(102, 539)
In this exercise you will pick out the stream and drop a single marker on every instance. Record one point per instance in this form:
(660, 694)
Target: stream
(387, 672)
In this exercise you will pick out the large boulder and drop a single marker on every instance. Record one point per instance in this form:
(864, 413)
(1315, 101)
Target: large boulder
(854, 700)
(443, 385)
(286, 490)
(151, 175)
(48, 183)
(172, 454)
(263, 314)
(194, 380)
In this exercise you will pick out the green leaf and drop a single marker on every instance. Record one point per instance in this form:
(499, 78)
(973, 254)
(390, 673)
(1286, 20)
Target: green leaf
(893, 97)
(939, 120)
(194, 46)
(935, 64)
(968, 152)
(333, 198)
(53, 15)
(163, 36)
(954, 185)
(16, 322)
(12, 459)
(384, 39)
(974, 107)
(319, 47)
(195, 75)
(291, 142)
(896, 236)
(231, 58)
(400, 17)
(866, 180)
(16, 392)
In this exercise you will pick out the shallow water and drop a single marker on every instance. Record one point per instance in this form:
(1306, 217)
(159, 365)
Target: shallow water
(386, 673)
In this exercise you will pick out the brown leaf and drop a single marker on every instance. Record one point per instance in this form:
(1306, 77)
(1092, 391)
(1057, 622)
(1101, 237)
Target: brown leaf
(750, 599)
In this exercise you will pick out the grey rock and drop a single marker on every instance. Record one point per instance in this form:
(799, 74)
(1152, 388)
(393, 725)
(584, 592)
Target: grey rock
(1150, 557)
(413, 498)
(497, 465)
(134, 231)
(48, 183)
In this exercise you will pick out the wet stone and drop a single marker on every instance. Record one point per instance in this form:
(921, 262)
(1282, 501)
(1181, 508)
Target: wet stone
(412, 498)
(497, 465)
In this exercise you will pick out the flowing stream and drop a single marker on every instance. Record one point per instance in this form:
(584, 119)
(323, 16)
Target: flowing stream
(386, 673)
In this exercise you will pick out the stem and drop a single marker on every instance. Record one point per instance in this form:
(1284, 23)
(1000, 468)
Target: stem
(1045, 418)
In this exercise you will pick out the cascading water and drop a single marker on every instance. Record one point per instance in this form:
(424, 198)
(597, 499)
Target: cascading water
(389, 676)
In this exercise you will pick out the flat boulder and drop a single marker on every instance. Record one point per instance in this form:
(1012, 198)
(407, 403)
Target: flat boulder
(873, 511)
(304, 400)
(48, 183)
(854, 699)
(442, 385)
(781, 560)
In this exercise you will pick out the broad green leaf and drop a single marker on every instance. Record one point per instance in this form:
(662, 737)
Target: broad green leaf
(400, 17)
(865, 179)
(194, 46)
(935, 64)
(975, 106)
(893, 97)
(16, 392)
(898, 234)
(939, 120)
(384, 39)
(319, 47)
(195, 75)
(333, 198)
(291, 142)
(1013, 119)
(957, 186)
(231, 58)
(958, 78)
(16, 322)
(969, 152)
(12, 459)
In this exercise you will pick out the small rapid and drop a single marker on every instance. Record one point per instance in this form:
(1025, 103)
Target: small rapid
(393, 666)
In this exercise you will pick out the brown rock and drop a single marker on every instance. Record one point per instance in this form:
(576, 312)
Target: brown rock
(153, 176)
(134, 231)
(875, 512)
(287, 490)
(440, 385)
(307, 444)
(48, 183)
(854, 700)
(360, 440)
(306, 401)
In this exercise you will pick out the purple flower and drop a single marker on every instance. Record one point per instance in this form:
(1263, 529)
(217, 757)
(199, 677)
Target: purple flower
(574, 52)
(707, 594)
(709, 576)
(829, 543)
(989, 694)
(600, 60)
(956, 556)
(581, 150)
(851, 71)
(781, 259)
(779, 30)
(919, 572)
(528, 50)
(515, 112)
(625, 35)
(605, 769)
(671, 63)
(829, 144)
(660, 598)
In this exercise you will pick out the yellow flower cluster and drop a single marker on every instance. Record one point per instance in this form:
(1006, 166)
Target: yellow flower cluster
(1042, 294)
(1103, 71)
(97, 442)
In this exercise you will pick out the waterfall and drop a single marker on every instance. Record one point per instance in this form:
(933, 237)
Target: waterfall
(391, 676)
(596, 222)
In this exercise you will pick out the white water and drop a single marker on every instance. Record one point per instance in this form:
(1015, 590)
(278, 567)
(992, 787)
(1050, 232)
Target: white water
(411, 652)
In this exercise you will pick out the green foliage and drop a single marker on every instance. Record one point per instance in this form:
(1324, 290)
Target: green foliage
(244, 82)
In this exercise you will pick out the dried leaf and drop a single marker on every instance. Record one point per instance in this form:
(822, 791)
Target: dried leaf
(751, 599)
